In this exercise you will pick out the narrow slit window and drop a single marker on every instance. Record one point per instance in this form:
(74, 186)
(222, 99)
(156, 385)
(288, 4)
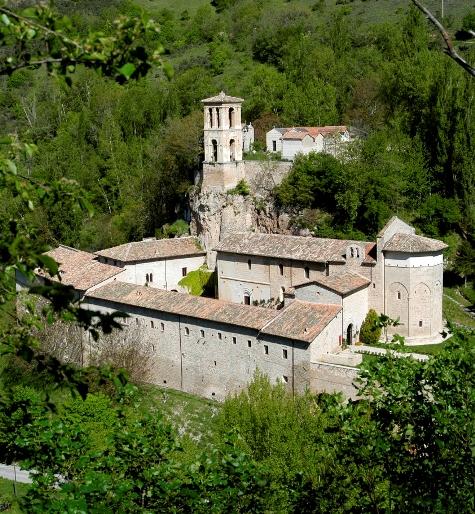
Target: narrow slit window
(281, 269)
(249, 264)
(249, 343)
(420, 323)
(307, 272)
(266, 349)
(284, 354)
(399, 295)
(202, 333)
(183, 272)
(220, 336)
(151, 324)
(234, 340)
(151, 277)
(162, 327)
(187, 331)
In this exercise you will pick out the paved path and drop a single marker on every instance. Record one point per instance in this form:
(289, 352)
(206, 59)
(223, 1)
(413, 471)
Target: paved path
(14, 473)
(382, 351)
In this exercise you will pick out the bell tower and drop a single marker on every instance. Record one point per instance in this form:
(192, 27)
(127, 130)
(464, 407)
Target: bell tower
(222, 129)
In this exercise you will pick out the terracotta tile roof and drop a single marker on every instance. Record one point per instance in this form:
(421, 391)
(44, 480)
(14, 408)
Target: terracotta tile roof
(222, 98)
(301, 132)
(80, 269)
(153, 249)
(302, 321)
(298, 248)
(185, 304)
(411, 243)
(370, 253)
(342, 283)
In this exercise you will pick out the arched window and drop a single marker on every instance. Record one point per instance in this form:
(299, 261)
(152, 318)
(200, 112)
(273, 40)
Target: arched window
(231, 117)
(232, 150)
(215, 150)
(210, 117)
(247, 299)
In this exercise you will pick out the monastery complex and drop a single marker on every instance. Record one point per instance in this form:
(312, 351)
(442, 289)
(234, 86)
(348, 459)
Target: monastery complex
(290, 306)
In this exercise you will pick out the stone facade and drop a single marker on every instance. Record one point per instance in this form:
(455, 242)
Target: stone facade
(401, 276)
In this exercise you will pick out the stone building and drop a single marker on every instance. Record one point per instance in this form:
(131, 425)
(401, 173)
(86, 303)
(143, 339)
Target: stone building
(400, 275)
(213, 348)
(154, 262)
(291, 141)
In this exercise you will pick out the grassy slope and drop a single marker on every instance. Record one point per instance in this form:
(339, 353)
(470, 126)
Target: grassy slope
(369, 11)
(7, 495)
(453, 311)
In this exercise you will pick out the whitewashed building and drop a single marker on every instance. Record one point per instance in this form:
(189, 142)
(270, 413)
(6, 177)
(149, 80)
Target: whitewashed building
(154, 262)
(291, 141)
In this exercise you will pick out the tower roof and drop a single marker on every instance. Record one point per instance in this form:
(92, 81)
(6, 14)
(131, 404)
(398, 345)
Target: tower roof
(223, 98)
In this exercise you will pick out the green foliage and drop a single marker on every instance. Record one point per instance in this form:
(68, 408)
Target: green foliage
(370, 331)
(242, 188)
(177, 229)
(200, 282)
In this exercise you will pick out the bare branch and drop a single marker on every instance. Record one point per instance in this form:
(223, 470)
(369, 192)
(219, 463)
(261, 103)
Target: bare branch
(28, 64)
(449, 50)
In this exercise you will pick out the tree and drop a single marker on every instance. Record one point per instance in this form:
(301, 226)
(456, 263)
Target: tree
(370, 331)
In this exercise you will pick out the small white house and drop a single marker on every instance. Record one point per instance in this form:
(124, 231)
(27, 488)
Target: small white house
(154, 262)
(292, 141)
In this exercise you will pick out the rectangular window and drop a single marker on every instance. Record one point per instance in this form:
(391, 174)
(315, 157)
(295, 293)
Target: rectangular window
(284, 354)
(281, 269)
(420, 323)
(266, 349)
(187, 331)
(274, 146)
(162, 327)
(234, 340)
(183, 272)
(137, 322)
(306, 272)
(220, 336)
(151, 324)
(202, 333)
(249, 344)
(247, 299)
(249, 264)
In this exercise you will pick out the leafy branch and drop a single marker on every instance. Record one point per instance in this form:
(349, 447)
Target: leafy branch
(449, 46)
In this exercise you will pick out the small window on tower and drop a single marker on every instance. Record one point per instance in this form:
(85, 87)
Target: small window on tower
(307, 272)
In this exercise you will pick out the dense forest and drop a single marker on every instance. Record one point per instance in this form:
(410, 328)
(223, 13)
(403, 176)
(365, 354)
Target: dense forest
(82, 137)
(134, 147)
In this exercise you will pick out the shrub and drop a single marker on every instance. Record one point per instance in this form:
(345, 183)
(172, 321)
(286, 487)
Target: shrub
(242, 189)
(370, 330)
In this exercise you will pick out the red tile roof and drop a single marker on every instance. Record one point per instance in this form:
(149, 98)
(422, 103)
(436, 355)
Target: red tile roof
(298, 248)
(410, 243)
(154, 249)
(80, 269)
(343, 283)
(300, 321)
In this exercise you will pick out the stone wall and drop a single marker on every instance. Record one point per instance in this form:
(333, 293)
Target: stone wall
(211, 359)
(331, 378)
